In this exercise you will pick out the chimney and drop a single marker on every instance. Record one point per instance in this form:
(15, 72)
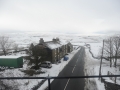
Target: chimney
(54, 40)
(41, 41)
(57, 39)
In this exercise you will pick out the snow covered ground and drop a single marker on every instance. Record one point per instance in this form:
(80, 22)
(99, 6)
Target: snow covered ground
(96, 48)
(26, 38)
(92, 68)
(91, 64)
(28, 84)
(56, 69)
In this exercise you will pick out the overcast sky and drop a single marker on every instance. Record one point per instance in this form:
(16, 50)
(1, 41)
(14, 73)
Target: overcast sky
(69, 16)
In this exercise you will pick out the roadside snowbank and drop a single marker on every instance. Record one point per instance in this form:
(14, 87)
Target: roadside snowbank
(92, 68)
(95, 48)
(106, 69)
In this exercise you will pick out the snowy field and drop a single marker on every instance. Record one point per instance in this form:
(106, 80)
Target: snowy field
(28, 84)
(92, 68)
(26, 38)
(96, 48)
(91, 64)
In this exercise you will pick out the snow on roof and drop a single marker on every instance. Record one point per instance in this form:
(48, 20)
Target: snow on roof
(10, 56)
(63, 42)
(52, 45)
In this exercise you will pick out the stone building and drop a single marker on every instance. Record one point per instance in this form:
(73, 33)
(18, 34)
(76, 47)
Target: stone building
(56, 49)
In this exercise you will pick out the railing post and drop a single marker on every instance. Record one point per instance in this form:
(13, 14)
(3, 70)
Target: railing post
(49, 84)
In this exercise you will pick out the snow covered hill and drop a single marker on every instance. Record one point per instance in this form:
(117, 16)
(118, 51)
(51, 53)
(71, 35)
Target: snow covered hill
(25, 39)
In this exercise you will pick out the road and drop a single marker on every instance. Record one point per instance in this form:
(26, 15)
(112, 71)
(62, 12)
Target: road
(74, 68)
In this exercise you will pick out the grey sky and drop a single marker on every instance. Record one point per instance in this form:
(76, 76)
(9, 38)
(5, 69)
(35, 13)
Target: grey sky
(80, 16)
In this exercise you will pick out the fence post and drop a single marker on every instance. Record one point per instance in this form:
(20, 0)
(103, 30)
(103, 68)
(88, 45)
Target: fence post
(108, 73)
(49, 84)
(115, 80)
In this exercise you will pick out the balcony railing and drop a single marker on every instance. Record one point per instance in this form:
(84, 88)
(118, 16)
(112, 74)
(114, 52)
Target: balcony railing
(49, 78)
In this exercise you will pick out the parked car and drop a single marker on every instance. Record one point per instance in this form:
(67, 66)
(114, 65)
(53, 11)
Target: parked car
(46, 64)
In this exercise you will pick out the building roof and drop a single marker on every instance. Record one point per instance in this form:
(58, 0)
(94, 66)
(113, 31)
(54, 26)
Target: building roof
(55, 43)
(52, 44)
(63, 42)
(7, 57)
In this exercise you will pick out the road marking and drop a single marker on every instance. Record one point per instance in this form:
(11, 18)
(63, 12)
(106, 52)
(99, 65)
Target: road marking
(66, 84)
(77, 61)
(73, 69)
(74, 66)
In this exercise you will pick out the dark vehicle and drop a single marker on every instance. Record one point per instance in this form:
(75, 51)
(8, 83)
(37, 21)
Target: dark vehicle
(46, 64)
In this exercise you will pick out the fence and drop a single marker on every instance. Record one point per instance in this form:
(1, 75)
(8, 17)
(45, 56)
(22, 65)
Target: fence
(112, 78)
(110, 86)
(49, 78)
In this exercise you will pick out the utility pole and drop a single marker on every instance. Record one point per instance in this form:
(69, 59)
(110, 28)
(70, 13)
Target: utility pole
(101, 59)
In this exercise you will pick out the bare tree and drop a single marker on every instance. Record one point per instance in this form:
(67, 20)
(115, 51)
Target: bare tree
(116, 47)
(108, 50)
(112, 49)
(5, 44)
(15, 47)
(37, 54)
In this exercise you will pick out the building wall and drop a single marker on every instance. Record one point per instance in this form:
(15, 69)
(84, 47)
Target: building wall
(70, 48)
(53, 55)
(49, 56)
(63, 50)
(66, 49)
(56, 54)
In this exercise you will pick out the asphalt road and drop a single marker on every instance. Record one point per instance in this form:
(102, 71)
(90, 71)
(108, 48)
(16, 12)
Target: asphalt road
(74, 68)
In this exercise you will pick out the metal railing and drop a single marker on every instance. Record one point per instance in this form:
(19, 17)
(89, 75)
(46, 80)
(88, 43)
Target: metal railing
(49, 77)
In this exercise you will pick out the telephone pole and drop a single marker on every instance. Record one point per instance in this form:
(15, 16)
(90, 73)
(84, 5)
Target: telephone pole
(101, 59)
